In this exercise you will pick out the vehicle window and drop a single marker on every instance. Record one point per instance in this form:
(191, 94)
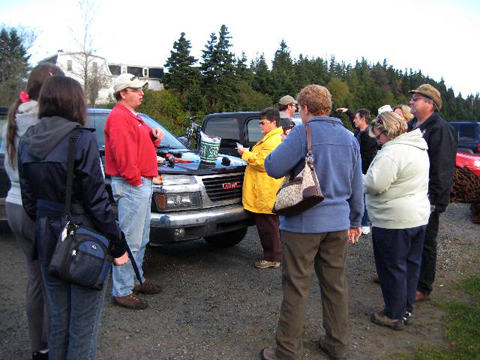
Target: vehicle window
(253, 131)
(466, 133)
(225, 128)
(169, 141)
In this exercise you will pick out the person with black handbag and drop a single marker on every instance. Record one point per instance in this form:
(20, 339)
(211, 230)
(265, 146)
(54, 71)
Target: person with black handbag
(42, 164)
(316, 237)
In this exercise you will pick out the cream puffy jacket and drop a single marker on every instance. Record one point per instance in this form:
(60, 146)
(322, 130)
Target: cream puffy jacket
(396, 184)
(259, 189)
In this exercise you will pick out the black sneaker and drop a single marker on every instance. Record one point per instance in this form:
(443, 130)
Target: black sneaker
(407, 318)
(37, 355)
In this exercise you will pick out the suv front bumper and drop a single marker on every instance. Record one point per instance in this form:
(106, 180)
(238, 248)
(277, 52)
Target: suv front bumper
(189, 225)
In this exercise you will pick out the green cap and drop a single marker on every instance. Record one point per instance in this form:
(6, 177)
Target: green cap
(287, 100)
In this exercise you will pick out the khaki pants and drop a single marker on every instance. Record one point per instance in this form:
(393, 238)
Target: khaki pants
(327, 253)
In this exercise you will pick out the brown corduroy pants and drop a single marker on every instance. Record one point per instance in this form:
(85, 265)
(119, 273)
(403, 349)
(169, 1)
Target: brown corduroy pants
(327, 254)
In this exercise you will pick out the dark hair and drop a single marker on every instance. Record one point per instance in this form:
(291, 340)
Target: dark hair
(364, 113)
(117, 96)
(270, 114)
(34, 84)
(63, 96)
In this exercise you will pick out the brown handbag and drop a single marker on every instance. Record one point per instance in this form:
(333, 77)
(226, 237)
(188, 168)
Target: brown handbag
(302, 192)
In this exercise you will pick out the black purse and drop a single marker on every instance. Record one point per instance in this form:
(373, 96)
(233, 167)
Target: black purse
(81, 254)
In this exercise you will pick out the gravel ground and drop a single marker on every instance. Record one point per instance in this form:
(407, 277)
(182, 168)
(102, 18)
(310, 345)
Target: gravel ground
(216, 305)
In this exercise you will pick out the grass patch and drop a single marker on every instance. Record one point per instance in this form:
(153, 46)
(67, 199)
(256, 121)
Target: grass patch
(462, 328)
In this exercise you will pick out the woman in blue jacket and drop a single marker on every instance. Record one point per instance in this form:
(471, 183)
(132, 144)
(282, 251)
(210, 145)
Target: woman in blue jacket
(42, 164)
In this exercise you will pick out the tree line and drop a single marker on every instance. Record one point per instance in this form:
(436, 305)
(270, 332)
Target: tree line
(221, 81)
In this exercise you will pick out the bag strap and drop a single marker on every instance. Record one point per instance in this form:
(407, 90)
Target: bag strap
(72, 143)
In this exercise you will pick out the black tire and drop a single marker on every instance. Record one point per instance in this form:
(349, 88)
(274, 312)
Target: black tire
(226, 240)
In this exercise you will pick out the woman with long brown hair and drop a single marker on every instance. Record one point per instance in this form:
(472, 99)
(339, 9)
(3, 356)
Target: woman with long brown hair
(23, 114)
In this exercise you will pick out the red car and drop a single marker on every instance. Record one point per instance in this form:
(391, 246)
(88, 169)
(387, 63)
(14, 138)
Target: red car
(470, 161)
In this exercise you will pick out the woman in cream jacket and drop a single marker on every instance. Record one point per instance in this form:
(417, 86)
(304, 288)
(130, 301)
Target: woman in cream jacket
(396, 187)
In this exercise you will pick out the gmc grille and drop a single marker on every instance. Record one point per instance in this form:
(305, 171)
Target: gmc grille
(224, 187)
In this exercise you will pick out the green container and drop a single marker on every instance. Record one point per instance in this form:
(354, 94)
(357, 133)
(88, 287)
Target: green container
(209, 151)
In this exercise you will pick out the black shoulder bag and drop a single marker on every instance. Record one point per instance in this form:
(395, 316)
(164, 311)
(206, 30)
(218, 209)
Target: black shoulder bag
(81, 254)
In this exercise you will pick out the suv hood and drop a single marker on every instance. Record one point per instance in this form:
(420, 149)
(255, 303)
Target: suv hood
(195, 166)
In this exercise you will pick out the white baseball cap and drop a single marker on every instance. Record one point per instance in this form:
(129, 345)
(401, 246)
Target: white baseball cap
(127, 81)
(384, 108)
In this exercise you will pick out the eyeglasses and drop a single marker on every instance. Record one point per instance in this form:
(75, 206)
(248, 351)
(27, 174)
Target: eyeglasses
(378, 136)
(416, 97)
(264, 122)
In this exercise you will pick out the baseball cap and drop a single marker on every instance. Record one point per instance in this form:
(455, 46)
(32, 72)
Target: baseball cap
(287, 100)
(384, 108)
(127, 81)
(430, 92)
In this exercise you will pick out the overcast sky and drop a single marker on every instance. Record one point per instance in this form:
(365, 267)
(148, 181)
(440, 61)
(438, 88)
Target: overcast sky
(440, 38)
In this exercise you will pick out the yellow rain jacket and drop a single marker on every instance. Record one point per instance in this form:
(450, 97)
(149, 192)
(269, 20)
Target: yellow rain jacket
(259, 189)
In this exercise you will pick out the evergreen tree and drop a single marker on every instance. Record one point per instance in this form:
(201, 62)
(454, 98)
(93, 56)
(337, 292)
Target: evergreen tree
(180, 65)
(13, 65)
(282, 74)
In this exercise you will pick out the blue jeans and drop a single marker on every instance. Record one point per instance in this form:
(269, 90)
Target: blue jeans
(365, 219)
(398, 256)
(134, 208)
(75, 319)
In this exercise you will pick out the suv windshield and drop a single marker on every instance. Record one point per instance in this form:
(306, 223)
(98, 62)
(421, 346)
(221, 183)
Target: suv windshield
(169, 141)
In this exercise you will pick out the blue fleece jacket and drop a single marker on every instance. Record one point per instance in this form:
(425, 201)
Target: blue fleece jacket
(338, 166)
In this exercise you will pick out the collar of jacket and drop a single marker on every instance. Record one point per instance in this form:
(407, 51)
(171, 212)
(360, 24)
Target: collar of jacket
(278, 130)
(128, 111)
(430, 121)
(326, 118)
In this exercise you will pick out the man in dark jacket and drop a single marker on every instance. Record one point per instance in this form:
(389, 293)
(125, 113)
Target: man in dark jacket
(368, 147)
(442, 140)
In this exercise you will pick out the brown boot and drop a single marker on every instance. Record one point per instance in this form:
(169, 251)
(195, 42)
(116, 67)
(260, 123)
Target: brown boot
(419, 296)
(376, 279)
(131, 301)
(148, 288)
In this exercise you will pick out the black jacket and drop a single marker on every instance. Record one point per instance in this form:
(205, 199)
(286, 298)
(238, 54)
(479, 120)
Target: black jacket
(442, 149)
(368, 145)
(42, 164)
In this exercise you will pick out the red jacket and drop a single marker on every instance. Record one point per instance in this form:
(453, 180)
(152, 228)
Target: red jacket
(129, 146)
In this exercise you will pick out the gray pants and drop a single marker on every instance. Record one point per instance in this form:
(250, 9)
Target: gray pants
(302, 253)
(38, 313)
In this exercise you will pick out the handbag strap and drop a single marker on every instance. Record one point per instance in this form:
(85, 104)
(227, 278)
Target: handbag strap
(72, 142)
(309, 157)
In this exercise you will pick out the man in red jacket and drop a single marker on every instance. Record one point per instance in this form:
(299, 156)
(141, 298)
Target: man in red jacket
(131, 161)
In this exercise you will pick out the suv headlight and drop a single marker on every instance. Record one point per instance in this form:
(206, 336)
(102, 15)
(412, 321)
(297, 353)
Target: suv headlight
(178, 179)
(177, 201)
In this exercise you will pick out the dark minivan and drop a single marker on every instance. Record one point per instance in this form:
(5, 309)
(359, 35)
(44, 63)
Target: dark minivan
(468, 136)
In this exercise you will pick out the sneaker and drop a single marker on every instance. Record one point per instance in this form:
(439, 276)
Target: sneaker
(322, 344)
(383, 320)
(131, 301)
(147, 288)
(365, 230)
(265, 264)
(407, 318)
(419, 296)
(37, 355)
(268, 354)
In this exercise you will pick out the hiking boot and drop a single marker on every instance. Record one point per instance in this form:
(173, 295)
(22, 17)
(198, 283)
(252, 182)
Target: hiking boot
(322, 344)
(383, 320)
(419, 296)
(131, 301)
(148, 288)
(376, 279)
(407, 318)
(365, 230)
(265, 264)
(268, 354)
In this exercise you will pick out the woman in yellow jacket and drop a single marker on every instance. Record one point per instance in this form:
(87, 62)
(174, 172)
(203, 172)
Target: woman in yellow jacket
(259, 189)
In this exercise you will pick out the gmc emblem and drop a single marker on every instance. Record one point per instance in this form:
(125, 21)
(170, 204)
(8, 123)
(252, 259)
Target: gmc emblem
(232, 185)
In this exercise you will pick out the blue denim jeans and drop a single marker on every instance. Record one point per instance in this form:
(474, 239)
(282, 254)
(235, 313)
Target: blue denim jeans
(75, 319)
(134, 208)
